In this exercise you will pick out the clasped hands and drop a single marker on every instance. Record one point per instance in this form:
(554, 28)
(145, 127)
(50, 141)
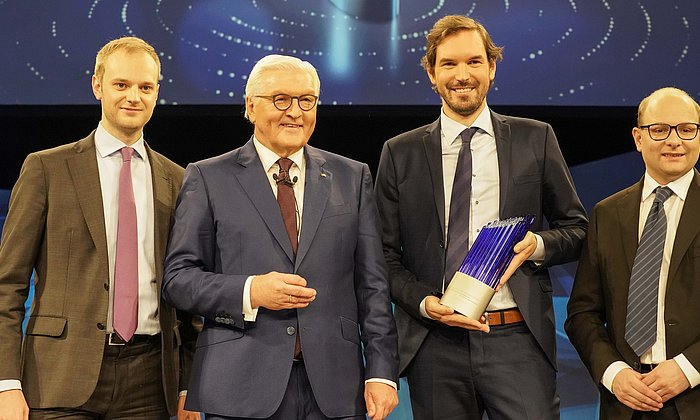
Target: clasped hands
(648, 391)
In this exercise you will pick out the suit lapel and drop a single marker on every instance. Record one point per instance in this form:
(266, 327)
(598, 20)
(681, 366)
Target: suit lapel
(253, 180)
(316, 192)
(86, 179)
(688, 227)
(628, 218)
(433, 152)
(504, 147)
(162, 208)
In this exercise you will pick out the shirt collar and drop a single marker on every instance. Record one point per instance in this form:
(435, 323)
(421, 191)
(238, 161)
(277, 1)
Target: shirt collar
(106, 144)
(679, 187)
(451, 129)
(269, 158)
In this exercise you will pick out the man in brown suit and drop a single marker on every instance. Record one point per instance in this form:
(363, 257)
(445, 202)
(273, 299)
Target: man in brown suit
(641, 340)
(64, 219)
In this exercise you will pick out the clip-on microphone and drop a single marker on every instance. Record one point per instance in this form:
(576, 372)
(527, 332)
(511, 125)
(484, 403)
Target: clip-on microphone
(285, 179)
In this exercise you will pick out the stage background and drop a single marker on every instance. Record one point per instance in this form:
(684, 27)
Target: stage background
(581, 66)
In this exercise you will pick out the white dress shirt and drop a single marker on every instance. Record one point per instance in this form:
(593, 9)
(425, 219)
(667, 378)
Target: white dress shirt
(109, 162)
(485, 185)
(673, 207)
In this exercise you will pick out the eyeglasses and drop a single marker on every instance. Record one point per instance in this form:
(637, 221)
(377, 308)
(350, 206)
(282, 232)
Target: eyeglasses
(659, 132)
(282, 101)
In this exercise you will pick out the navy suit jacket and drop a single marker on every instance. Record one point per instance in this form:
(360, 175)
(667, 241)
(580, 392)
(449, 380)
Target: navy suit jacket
(228, 226)
(534, 179)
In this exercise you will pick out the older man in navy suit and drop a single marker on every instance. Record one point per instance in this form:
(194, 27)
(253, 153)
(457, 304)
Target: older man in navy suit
(277, 245)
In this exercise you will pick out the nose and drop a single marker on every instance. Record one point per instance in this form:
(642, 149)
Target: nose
(462, 72)
(294, 110)
(132, 94)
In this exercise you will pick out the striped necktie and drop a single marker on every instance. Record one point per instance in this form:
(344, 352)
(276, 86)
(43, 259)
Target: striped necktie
(642, 301)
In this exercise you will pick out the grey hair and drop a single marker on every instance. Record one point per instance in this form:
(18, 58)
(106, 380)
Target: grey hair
(277, 62)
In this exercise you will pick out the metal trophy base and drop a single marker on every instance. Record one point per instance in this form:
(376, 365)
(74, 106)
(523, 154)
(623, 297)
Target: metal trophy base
(467, 295)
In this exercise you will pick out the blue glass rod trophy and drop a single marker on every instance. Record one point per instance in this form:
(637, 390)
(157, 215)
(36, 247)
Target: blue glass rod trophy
(474, 284)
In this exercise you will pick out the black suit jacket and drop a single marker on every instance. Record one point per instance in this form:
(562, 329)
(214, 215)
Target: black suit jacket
(534, 179)
(598, 305)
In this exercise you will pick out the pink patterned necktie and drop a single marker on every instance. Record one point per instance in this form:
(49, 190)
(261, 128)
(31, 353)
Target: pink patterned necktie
(126, 280)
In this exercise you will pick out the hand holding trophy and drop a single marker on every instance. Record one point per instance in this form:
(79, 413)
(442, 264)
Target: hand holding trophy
(475, 282)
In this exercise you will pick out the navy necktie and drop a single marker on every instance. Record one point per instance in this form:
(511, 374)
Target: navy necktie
(642, 300)
(458, 225)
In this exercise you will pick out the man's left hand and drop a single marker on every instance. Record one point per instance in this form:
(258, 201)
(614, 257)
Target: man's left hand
(183, 414)
(380, 399)
(523, 250)
(667, 379)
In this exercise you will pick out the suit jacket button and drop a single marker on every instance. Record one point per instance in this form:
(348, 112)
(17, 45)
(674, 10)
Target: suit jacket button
(100, 326)
(442, 244)
(291, 330)
(106, 286)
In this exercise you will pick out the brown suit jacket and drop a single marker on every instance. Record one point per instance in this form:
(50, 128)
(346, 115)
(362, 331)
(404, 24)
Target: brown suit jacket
(55, 225)
(598, 305)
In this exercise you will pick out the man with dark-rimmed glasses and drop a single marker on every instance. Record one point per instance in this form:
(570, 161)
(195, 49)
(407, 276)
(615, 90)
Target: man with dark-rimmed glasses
(277, 245)
(633, 313)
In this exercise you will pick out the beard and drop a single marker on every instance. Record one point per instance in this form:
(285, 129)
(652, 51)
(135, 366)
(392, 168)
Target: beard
(459, 104)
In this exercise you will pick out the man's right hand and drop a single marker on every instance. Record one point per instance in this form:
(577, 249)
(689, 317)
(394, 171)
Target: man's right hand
(448, 316)
(635, 394)
(13, 406)
(277, 291)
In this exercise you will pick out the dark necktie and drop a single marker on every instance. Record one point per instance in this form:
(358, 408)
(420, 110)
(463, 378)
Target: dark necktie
(458, 227)
(126, 276)
(642, 301)
(287, 203)
(285, 198)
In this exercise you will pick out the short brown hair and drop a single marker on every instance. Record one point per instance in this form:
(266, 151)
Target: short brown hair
(663, 91)
(452, 24)
(129, 44)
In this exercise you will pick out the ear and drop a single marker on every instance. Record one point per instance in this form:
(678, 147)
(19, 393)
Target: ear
(96, 88)
(492, 70)
(637, 135)
(250, 108)
(431, 75)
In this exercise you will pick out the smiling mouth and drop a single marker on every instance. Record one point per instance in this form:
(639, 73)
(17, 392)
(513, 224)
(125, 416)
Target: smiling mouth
(673, 155)
(291, 125)
(466, 89)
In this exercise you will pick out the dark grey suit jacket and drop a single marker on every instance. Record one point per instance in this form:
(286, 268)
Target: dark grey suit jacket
(534, 179)
(55, 225)
(228, 226)
(598, 304)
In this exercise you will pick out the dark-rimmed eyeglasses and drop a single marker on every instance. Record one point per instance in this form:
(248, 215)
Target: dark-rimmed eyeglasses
(659, 132)
(282, 101)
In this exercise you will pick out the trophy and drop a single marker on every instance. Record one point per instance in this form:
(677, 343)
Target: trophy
(474, 284)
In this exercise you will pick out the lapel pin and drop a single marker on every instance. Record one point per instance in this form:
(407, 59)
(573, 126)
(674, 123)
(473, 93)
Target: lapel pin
(323, 174)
